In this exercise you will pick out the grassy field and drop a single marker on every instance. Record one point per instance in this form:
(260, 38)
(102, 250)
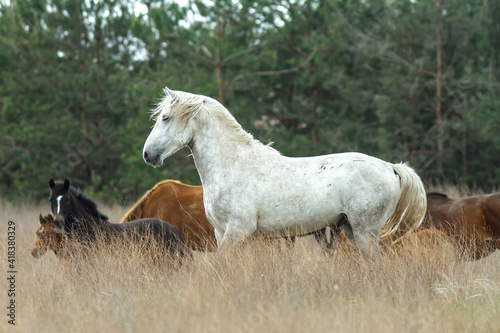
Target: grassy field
(255, 288)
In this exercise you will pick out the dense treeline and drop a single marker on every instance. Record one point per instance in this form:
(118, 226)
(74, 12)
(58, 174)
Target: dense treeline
(401, 80)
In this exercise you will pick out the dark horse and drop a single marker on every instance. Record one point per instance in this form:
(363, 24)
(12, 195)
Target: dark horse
(83, 223)
(80, 212)
(473, 222)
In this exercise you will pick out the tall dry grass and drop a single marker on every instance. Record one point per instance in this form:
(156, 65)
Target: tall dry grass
(256, 288)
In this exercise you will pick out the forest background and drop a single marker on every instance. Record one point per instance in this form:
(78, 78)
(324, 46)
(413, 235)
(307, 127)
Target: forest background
(413, 81)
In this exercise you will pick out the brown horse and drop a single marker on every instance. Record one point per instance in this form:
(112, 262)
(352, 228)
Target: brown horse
(474, 222)
(182, 206)
(49, 236)
(410, 244)
(430, 239)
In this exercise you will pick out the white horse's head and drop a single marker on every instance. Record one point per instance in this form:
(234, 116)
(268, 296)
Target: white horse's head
(174, 127)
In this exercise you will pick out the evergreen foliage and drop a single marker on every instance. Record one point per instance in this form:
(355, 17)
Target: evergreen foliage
(405, 80)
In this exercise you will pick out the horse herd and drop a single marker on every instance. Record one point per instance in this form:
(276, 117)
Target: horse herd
(251, 189)
(471, 223)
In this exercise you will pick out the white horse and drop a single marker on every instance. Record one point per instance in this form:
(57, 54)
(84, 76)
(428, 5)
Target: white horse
(249, 187)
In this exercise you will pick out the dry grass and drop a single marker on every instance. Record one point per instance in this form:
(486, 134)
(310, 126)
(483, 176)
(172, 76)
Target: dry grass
(255, 288)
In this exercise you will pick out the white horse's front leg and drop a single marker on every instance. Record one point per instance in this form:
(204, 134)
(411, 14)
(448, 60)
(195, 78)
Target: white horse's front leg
(237, 232)
(219, 234)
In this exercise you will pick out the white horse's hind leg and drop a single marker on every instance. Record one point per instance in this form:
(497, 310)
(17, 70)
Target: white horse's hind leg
(365, 233)
(367, 244)
(367, 223)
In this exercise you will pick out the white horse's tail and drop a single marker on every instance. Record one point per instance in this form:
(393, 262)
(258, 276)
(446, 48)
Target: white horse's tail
(410, 210)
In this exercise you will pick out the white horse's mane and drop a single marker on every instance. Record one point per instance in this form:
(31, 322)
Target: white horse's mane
(185, 106)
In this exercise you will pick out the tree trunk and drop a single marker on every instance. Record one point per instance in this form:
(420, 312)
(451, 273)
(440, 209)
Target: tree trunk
(438, 112)
(218, 63)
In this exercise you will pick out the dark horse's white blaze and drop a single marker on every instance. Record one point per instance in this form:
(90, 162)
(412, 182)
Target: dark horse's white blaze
(249, 187)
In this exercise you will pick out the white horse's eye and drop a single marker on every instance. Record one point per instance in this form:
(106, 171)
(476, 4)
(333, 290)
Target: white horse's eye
(166, 118)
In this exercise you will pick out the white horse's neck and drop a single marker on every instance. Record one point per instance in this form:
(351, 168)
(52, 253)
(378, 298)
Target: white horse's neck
(213, 150)
(218, 149)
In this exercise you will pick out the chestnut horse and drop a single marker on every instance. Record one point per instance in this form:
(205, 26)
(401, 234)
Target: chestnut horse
(49, 235)
(432, 240)
(182, 206)
(474, 222)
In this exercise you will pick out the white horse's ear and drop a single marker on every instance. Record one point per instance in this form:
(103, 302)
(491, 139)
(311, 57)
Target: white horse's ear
(168, 92)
